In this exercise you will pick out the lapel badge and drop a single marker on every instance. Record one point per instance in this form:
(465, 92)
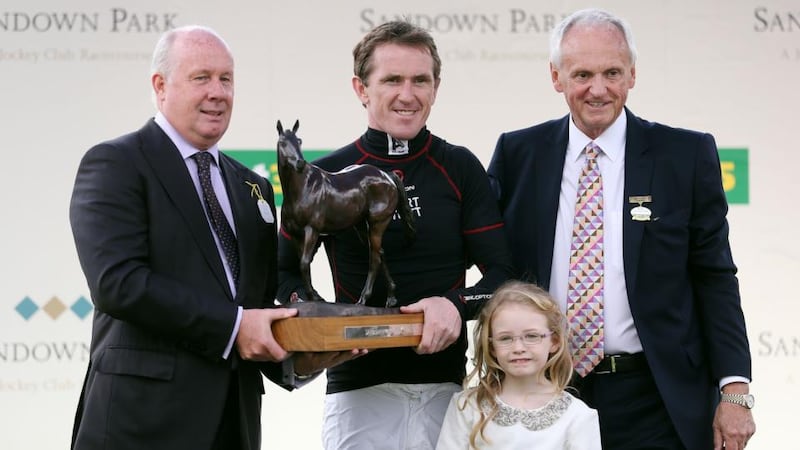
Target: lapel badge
(640, 213)
(263, 206)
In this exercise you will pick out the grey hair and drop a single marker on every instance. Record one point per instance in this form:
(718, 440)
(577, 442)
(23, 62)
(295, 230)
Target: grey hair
(162, 63)
(589, 17)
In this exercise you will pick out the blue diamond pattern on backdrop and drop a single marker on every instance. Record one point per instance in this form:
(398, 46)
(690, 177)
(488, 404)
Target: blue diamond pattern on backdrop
(81, 307)
(26, 308)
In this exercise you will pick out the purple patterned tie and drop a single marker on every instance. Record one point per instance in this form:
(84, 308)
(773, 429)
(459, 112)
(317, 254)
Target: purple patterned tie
(218, 220)
(585, 293)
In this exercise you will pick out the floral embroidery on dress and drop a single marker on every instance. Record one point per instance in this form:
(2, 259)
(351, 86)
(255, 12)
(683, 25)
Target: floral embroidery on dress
(532, 419)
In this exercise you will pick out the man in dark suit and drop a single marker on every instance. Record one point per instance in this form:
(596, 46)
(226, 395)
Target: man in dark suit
(181, 330)
(673, 332)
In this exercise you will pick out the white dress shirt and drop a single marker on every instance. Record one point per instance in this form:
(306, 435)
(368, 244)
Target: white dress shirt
(187, 151)
(620, 334)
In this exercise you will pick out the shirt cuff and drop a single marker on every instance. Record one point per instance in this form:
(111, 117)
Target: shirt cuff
(229, 347)
(732, 379)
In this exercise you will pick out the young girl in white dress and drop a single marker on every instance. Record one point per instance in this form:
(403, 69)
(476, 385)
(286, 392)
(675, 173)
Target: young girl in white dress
(515, 396)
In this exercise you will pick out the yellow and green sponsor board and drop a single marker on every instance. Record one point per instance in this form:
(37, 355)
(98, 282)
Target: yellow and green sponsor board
(735, 174)
(734, 163)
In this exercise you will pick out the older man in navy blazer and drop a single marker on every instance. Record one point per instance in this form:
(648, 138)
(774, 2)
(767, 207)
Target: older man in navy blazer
(675, 343)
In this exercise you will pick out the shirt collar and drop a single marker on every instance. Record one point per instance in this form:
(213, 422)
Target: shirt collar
(186, 149)
(611, 141)
(378, 142)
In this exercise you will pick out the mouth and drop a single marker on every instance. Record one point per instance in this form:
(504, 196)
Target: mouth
(405, 112)
(520, 360)
(213, 113)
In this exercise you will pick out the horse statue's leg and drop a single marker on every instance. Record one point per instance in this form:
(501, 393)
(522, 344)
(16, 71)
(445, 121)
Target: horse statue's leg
(306, 256)
(391, 300)
(376, 230)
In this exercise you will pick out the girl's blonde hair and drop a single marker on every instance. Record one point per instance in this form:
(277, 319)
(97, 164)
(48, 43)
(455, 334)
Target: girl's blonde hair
(487, 371)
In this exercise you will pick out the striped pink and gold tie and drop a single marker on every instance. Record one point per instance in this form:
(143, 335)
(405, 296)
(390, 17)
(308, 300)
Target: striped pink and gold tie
(585, 293)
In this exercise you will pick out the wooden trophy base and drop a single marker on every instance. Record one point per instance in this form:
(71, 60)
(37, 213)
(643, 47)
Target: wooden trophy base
(323, 327)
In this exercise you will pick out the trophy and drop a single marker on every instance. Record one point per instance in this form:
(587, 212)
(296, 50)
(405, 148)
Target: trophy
(317, 202)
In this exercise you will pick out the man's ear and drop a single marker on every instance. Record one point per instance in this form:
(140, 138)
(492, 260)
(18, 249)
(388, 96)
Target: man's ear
(361, 90)
(158, 82)
(555, 76)
(435, 90)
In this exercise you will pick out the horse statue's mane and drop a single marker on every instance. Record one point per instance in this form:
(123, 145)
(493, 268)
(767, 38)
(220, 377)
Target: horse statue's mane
(318, 202)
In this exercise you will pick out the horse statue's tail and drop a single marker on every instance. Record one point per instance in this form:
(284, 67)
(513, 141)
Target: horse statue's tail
(404, 209)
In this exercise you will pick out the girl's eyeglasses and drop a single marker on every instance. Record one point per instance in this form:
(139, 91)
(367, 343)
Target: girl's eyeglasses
(528, 339)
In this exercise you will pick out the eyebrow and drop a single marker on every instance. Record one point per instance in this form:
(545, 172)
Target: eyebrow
(527, 330)
(419, 76)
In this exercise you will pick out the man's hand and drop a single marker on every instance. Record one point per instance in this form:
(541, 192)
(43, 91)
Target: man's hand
(733, 424)
(442, 323)
(307, 363)
(255, 341)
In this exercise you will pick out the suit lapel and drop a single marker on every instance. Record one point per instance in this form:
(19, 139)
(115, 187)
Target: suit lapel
(638, 181)
(171, 171)
(548, 172)
(245, 214)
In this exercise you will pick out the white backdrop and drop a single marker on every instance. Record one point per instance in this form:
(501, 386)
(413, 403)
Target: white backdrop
(76, 73)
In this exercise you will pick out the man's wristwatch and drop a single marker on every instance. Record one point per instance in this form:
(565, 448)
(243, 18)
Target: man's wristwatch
(303, 377)
(746, 400)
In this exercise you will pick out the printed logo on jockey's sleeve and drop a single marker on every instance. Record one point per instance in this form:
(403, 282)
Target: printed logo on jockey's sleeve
(470, 298)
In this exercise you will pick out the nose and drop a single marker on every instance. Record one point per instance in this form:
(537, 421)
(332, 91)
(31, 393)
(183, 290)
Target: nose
(406, 90)
(517, 344)
(597, 86)
(219, 89)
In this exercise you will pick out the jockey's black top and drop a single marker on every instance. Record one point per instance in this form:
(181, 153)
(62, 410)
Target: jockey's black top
(458, 225)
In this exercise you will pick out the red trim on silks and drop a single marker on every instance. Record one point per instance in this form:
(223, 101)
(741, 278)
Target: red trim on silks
(346, 294)
(422, 151)
(459, 283)
(481, 267)
(364, 152)
(486, 228)
(285, 234)
(446, 176)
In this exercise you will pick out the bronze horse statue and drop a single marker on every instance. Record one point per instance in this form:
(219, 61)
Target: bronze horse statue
(317, 202)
